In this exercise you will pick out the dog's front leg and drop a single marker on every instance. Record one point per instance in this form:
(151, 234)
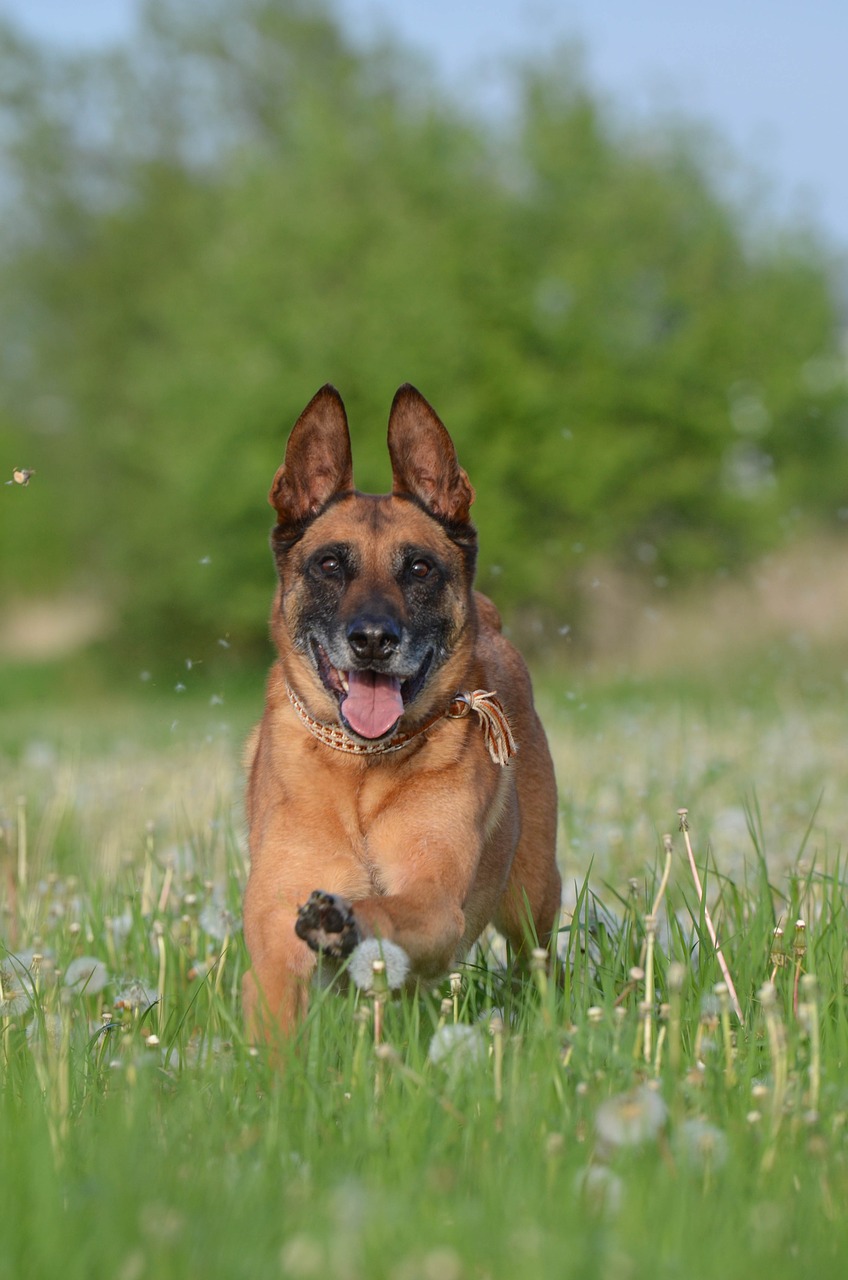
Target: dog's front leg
(433, 870)
(426, 924)
(275, 991)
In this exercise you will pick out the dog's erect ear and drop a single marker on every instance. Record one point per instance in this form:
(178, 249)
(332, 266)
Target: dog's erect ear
(424, 462)
(318, 464)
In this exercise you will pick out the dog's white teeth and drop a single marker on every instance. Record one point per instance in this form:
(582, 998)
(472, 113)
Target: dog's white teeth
(344, 682)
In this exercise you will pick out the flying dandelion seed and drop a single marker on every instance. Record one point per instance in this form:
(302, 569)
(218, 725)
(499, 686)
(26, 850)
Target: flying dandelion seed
(86, 975)
(205, 560)
(362, 959)
(630, 1119)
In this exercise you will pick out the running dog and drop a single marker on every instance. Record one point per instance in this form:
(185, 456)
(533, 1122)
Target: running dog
(400, 781)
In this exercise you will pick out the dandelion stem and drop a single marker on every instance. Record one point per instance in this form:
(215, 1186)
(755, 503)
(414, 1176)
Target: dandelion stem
(676, 978)
(665, 875)
(661, 1035)
(777, 1049)
(379, 991)
(160, 986)
(219, 976)
(721, 991)
(809, 1015)
(496, 1026)
(456, 992)
(722, 963)
(539, 969)
(648, 1004)
(799, 949)
(22, 842)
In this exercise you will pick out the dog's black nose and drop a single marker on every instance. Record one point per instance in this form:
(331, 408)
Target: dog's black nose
(372, 638)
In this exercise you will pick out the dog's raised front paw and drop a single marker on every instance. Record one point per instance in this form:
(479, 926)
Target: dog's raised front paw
(327, 924)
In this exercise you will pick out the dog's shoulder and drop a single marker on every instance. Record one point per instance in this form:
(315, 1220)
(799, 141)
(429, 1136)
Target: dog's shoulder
(488, 617)
(503, 667)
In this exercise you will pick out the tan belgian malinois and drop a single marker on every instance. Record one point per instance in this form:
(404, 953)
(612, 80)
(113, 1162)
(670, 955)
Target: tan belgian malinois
(400, 780)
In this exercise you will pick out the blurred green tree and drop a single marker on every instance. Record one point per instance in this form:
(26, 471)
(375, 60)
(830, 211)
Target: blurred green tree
(203, 228)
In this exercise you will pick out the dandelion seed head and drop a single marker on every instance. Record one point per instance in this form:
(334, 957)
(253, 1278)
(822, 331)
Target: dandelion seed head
(45, 1032)
(135, 995)
(700, 1145)
(86, 975)
(457, 1045)
(629, 1119)
(17, 994)
(216, 920)
(767, 995)
(361, 964)
(600, 1188)
(121, 927)
(303, 1256)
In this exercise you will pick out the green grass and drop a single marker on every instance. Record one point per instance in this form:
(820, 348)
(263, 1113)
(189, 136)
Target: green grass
(142, 1137)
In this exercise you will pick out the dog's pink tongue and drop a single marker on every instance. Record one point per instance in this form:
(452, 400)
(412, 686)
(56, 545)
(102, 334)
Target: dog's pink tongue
(373, 703)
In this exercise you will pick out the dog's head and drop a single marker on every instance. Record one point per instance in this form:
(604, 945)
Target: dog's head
(374, 619)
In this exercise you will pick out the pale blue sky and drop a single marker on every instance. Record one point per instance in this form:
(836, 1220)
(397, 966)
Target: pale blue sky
(770, 75)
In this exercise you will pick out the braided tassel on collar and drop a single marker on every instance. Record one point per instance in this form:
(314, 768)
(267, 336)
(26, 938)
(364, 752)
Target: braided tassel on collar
(494, 722)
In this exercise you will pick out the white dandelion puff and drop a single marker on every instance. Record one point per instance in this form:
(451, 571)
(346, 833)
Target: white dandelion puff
(601, 1189)
(629, 1119)
(16, 993)
(86, 975)
(219, 922)
(135, 995)
(457, 1046)
(361, 964)
(699, 1145)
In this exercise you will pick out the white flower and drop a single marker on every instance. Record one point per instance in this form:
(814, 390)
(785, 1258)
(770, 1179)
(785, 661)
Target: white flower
(361, 963)
(628, 1119)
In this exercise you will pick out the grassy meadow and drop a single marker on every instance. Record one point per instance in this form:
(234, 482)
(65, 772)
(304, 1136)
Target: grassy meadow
(613, 1119)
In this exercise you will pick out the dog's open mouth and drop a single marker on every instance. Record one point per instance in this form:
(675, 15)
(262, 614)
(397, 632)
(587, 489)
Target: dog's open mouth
(370, 702)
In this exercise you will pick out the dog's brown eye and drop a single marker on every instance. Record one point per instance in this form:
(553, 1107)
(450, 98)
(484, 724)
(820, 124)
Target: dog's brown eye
(420, 568)
(330, 566)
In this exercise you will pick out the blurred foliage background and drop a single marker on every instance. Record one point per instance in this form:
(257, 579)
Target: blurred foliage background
(201, 229)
